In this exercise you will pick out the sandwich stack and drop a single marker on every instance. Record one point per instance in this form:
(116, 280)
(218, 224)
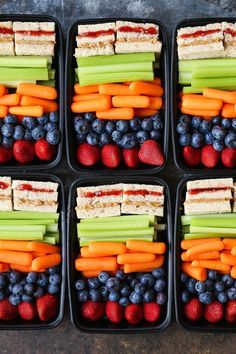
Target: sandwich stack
(5, 194)
(229, 38)
(6, 38)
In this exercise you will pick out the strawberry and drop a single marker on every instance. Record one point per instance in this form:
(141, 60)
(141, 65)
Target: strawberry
(8, 311)
(210, 157)
(44, 151)
(5, 154)
(230, 311)
(193, 310)
(130, 157)
(93, 310)
(151, 153)
(47, 307)
(23, 151)
(214, 312)
(111, 155)
(134, 313)
(192, 156)
(228, 157)
(151, 311)
(27, 311)
(88, 155)
(114, 311)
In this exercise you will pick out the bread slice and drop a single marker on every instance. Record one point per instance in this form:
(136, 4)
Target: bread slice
(210, 183)
(143, 193)
(7, 47)
(137, 47)
(211, 207)
(36, 206)
(105, 49)
(142, 208)
(42, 49)
(97, 211)
(5, 194)
(20, 26)
(100, 194)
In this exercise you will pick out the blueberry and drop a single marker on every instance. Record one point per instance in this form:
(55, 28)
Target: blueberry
(53, 137)
(120, 275)
(38, 292)
(43, 119)
(93, 283)
(29, 122)
(92, 139)
(76, 119)
(212, 274)
(103, 290)
(200, 286)
(155, 134)
(206, 126)
(218, 132)
(197, 140)
(161, 298)
(103, 277)
(135, 124)
(216, 120)
(55, 279)
(131, 277)
(98, 126)
(209, 138)
(226, 123)
(147, 279)
(157, 122)
(27, 298)
(182, 128)
(135, 298)
(29, 289)
(230, 140)
(113, 284)
(14, 277)
(160, 285)
(7, 130)
(104, 139)
(2, 295)
(9, 288)
(95, 295)
(15, 299)
(83, 296)
(19, 133)
(110, 127)
(80, 284)
(51, 126)
(128, 141)
(114, 296)
(206, 298)
(218, 145)
(196, 122)
(158, 273)
(53, 117)
(185, 139)
(140, 289)
(184, 118)
(80, 138)
(185, 296)
(209, 284)
(54, 270)
(116, 136)
(233, 123)
(28, 134)
(142, 136)
(38, 132)
(124, 301)
(147, 124)
(183, 277)
(232, 293)
(32, 278)
(7, 142)
(222, 297)
(190, 285)
(10, 119)
(125, 290)
(228, 280)
(3, 281)
(42, 280)
(134, 282)
(149, 295)
(122, 126)
(18, 289)
(89, 117)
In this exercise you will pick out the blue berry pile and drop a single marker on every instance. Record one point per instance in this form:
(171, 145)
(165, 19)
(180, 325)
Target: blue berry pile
(126, 134)
(197, 132)
(134, 288)
(216, 287)
(19, 287)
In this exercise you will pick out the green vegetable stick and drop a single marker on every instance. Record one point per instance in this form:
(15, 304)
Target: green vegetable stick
(14, 84)
(186, 219)
(115, 77)
(50, 240)
(23, 228)
(199, 73)
(85, 241)
(116, 233)
(115, 59)
(185, 77)
(47, 57)
(189, 65)
(28, 215)
(26, 222)
(16, 74)
(113, 226)
(22, 62)
(214, 222)
(115, 68)
(51, 83)
(210, 230)
(52, 227)
(191, 89)
(51, 74)
(122, 218)
(214, 82)
(21, 234)
(197, 236)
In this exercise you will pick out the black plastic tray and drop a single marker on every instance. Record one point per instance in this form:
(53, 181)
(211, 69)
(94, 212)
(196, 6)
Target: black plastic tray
(73, 249)
(69, 83)
(174, 88)
(202, 325)
(20, 324)
(59, 66)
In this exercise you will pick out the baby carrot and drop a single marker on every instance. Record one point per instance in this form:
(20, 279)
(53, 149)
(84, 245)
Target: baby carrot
(20, 258)
(40, 91)
(129, 258)
(212, 264)
(138, 267)
(101, 104)
(229, 243)
(20, 268)
(233, 251)
(199, 112)
(33, 111)
(14, 245)
(186, 244)
(38, 254)
(91, 273)
(2, 90)
(131, 101)
(205, 247)
(116, 113)
(99, 263)
(140, 87)
(107, 248)
(48, 261)
(155, 103)
(144, 112)
(115, 90)
(199, 256)
(228, 259)
(89, 96)
(225, 96)
(233, 272)
(10, 100)
(196, 101)
(228, 110)
(83, 90)
(3, 111)
(42, 247)
(197, 273)
(48, 106)
(146, 246)
(87, 254)
(5, 267)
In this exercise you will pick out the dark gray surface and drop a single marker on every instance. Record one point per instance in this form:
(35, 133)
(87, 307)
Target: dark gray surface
(65, 339)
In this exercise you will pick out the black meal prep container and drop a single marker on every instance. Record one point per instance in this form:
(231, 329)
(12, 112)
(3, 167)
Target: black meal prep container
(20, 324)
(58, 64)
(73, 250)
(174, 89)
(69, 88)
(202, 325)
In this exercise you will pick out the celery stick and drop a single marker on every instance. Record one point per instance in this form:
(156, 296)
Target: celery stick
(51, 74)
(52, 227)
(21, 233)
(22, 62)
(113, 233)
(186, 219)
(53, 234)
(189, 65)
(51, 83)
(196, 236)
(23, 73)
(86, 241)
(26, 222)
(22, 228)
(115, 68)
(214, 222)
(185, 77)
(214, 82)
(113, 226)
(122, 218)
(115, 59)
(160, 227)
(199, 73)
(14, 84)
(50, 240)
(28, 215)
(191, 89)
(210, 230)
(27, 57)
(115, 77)
(186, 229)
